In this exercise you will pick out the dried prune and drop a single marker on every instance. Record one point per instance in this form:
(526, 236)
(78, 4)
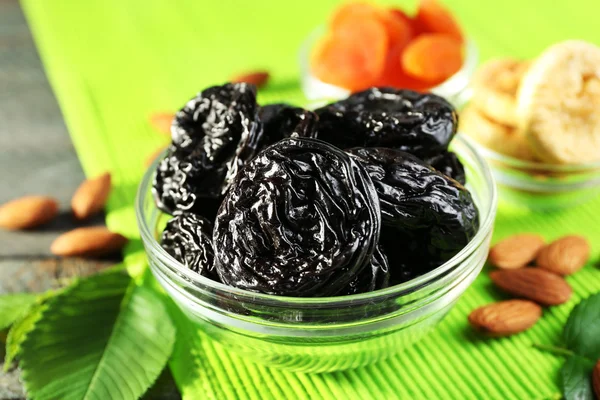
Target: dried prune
(427, 217)
(216, 120)
(212, 137)
(282, 120)
(301, 219)
(373, 277)
(448, 164)
(420, 124)
(188, 238)
(182, 184)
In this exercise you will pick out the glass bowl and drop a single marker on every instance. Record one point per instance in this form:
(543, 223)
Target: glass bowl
(322, 334)
(453, 89)
(540, 186)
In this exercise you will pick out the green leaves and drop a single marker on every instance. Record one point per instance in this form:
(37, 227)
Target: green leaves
(582, 331)
(103, 337)
(13, 306)
(576, 378)
(18, 332)
(582, 337)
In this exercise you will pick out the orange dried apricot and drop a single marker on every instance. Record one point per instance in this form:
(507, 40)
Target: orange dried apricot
(399, 32)
(433, 17)
(401, 15)
(353, 59)
(433, 57)
(345, 15)
(348, 15)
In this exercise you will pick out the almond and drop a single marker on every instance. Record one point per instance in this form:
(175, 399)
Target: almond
(28, 212)
(564, 256)
(90, 197)
(162, 122)
(257, 78)
(516, 251)
(596, 379)
(88, 242)
(535, 284)
(150, 159)
(506, 317)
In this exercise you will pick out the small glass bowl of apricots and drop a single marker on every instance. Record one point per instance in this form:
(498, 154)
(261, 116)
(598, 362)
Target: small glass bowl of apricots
(365, 45)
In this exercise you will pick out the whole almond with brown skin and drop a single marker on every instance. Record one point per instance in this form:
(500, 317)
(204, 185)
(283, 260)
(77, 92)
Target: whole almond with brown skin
(596, 379)
(516, 251)
(564, 256)
(506, 317)
(257, 78)
(88, 242)
(162, 122)
(28, 212)
(535, 284)
(90, 197)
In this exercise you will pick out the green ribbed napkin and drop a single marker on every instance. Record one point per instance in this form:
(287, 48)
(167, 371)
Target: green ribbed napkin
(112, 63)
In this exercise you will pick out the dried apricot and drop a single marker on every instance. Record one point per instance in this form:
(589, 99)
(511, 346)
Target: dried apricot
(399, 32)
(433, 17)
(401, 15)
(350, 12)
(395, 76)
(353, 59)
(433, 57)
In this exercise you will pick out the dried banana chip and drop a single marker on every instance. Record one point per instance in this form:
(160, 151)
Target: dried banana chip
(500, 138)
(495, 87)
(558, 103)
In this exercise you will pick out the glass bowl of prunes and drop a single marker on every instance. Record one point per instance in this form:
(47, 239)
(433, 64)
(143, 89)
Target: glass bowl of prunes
(316, 240)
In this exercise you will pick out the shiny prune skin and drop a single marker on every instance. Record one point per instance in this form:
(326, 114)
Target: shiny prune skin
(282, 120)
(448, 164)
(188, 238)
(301, 219)
(426, 217)
(182, 184)
(420, 124)
(213, 136)
(216, 120)
(374, 276)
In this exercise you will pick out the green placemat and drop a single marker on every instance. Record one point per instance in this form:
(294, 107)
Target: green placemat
(113, 62)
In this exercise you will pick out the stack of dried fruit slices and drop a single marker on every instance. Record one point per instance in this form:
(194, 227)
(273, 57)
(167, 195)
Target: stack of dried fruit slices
(366, 45)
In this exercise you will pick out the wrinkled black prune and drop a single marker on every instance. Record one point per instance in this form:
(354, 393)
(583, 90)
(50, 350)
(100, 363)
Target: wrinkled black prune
(420, 124)
(301, 219)
(373, 277)
(212, 137)
(216, 120)
(282, 120)
(448, 164)
(427, 217)
(182, 184)
(188, 238)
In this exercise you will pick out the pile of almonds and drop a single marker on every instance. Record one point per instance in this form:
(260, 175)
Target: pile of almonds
(33, 211)
(534, 273)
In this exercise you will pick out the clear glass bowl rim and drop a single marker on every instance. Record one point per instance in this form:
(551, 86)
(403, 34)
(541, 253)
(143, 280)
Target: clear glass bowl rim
(412, 285)
(529, 165)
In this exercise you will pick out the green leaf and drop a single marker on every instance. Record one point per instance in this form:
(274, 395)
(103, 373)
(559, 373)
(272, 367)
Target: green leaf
(13, 306)
(582, 331)
(18, 332)
(576, 378)
(188, 366)
(104, 337)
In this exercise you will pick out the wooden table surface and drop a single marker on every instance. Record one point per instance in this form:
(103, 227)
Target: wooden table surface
(36, 157)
